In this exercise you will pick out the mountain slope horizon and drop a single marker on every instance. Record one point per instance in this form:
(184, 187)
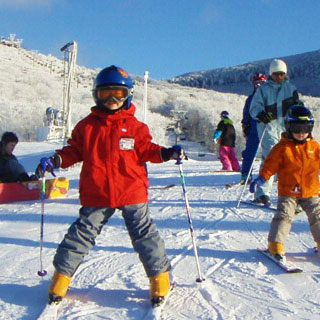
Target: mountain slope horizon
(303, 72)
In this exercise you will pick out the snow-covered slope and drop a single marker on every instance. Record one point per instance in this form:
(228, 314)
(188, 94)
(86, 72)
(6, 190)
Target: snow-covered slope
(30, 82)
(111, 284)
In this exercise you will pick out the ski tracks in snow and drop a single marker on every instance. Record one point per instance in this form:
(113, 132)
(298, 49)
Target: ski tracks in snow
(233, 272)
(111, 283)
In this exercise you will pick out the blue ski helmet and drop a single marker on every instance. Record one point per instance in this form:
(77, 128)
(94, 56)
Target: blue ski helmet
(298, 119)
(113, 76)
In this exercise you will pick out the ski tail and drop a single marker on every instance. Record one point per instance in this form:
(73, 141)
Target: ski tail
(50, 312)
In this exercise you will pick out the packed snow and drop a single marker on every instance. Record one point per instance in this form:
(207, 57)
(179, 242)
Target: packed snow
(110, 284)
(240, 283)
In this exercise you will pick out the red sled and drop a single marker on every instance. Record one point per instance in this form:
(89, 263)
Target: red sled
(30, 190)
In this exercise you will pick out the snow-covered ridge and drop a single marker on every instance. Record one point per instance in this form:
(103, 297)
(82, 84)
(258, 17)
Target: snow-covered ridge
(304, 72)
(31, 81)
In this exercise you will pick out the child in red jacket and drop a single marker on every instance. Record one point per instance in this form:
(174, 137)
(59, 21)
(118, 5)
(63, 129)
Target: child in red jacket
(296, 159)
(114, 147)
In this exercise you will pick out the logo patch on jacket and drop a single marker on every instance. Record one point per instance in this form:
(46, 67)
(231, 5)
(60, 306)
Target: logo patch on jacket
(127, 143)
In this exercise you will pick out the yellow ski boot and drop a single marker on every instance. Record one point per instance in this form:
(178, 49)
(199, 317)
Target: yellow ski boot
(276, 249)
(58, 287)
(159, 286)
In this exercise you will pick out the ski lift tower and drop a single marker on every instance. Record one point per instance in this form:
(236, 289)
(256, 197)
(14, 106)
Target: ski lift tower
(70, 57)
(178, 117)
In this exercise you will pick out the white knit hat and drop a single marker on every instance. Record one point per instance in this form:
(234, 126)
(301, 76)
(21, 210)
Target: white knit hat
(277, 65)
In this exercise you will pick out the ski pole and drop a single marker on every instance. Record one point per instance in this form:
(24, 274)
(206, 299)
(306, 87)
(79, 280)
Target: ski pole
(42, 272)
(44, 162)
(251, 167)
(179, 162)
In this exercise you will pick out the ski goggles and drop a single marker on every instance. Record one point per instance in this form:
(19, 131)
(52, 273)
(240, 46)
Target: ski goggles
(301, 127)
(119, 93)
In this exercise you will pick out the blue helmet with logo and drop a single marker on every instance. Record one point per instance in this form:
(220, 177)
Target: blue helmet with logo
(113, 76)
(298, 119)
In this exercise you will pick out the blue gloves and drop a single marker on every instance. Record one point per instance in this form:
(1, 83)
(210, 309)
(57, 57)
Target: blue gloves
(178, 154)
(256, 183)
(48, 164)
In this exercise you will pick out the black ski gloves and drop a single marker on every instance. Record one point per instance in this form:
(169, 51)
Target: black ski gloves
(174, 153)
(265, 117)
(166, 153)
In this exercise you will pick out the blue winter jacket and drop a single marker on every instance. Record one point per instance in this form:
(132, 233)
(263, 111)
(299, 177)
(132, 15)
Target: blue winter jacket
(276, 99)
(249, 125)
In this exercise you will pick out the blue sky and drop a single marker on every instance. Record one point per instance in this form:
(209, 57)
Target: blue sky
(165, 37)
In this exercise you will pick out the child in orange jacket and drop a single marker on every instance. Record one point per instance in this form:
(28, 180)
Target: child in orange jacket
(296, 160)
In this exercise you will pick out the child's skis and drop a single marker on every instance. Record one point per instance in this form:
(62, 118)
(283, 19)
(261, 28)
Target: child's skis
(282, 263)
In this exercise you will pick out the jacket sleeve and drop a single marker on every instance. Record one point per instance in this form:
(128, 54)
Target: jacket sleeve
(147, 150)
(245, 113)
(217, 134)
(257, 104)
(245, 122)
(272, 162)
(72, 153)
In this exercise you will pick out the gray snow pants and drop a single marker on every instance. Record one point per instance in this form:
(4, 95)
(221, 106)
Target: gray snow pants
(81, 235)
(281, 222)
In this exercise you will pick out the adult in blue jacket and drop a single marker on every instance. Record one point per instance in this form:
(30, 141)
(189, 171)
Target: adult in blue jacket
(249, 129)
(269, 106)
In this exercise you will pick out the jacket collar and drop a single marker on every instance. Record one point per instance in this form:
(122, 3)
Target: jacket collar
(122, 113)
(273, 84)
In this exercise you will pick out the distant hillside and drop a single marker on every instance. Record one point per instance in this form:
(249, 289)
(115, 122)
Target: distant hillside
(304, 72)
(31, 81)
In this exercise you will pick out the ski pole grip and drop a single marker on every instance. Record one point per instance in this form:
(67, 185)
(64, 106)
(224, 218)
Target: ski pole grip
(46, 163)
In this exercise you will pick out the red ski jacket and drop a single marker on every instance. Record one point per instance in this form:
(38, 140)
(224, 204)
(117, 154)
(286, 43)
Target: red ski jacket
(114, 149)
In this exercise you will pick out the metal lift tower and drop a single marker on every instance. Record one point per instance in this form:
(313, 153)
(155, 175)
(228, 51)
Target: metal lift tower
(70, 58)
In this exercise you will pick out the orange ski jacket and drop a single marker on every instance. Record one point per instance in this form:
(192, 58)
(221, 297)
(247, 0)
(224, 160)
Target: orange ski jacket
(297, 166)
(114, 149)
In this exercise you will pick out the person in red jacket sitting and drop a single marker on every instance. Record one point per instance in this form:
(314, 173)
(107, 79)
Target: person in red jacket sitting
(296, 159)
(114, 147)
